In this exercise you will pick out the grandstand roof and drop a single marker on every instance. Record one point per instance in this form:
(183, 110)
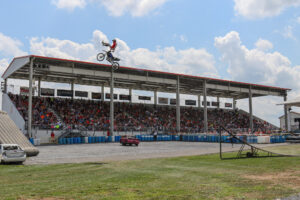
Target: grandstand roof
(95, 74)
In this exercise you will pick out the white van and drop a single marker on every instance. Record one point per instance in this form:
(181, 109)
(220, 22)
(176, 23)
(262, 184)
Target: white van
(11, 153)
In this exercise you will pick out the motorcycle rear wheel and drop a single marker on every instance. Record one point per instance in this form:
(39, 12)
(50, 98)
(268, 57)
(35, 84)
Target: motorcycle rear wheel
(115, 65)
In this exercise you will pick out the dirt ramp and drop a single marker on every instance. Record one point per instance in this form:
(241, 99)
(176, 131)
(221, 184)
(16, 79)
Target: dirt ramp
(10, 134)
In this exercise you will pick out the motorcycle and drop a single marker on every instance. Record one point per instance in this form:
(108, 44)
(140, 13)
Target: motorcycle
(112, 60)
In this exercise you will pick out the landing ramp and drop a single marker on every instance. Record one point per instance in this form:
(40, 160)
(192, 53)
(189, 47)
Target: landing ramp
(10, 134)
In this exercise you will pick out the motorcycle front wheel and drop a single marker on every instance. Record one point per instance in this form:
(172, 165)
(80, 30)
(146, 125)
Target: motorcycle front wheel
(115, 65)
(100, 56)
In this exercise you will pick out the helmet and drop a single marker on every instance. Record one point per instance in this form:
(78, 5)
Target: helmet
(114, 40)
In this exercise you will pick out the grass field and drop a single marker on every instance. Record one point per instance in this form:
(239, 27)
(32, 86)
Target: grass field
(194, 177)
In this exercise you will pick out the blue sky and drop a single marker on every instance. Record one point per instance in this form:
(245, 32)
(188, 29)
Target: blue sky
(253, 41)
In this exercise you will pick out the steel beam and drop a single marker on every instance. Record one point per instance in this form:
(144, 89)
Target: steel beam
(102, 93)
(205, 107)
(286, 113)
(112, 103)
(178, 106)
(39, 87)
(30, 99)
(250, 110)
(155, 97)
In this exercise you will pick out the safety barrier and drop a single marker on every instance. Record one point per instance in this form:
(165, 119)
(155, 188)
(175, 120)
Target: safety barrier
(252, 139)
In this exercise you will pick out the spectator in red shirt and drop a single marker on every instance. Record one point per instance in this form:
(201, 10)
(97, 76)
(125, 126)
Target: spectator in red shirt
(52, 137)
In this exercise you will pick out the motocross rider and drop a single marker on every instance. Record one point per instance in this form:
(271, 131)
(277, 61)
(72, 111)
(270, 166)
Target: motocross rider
(112, 47)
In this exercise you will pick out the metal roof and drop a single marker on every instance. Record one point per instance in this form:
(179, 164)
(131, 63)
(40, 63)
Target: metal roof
(95, 74)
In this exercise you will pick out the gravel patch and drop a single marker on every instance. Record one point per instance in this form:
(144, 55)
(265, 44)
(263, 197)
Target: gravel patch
(104, 152)
(295, 197)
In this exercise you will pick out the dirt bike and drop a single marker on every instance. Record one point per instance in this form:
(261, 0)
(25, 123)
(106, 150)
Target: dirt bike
(112, 60)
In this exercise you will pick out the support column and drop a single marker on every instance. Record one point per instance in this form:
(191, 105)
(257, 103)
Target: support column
(218, 101)
(130, 94)
(5, 86)
(72, 89)
(234, 104)
(155, 97)
(250, 110)
(286, 114)
(112, 103)
(102, 93)
(205, 107)
(39, 87)
(199, 101)
(30, 99)
(178, 106)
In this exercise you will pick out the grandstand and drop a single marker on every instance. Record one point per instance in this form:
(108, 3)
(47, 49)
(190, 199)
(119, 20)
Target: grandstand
(61, 110)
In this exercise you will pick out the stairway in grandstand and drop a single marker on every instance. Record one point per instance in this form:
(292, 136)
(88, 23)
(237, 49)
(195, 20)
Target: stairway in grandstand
(10, 134)
(59, 119)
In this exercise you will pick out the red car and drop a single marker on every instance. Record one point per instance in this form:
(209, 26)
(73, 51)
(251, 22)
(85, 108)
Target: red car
(129, 140)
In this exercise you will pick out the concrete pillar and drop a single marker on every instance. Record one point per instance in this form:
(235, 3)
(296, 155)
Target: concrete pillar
(5, 86)
(286, 114)
(234, 104)
(102, 93)
(205, 107)
(130, 94)
(72, 89)
(218, 101)
(155, 97)
(250, 110)
(112, 103)
(39, 87)
(199, 101)
(178, 106)
(30, 98)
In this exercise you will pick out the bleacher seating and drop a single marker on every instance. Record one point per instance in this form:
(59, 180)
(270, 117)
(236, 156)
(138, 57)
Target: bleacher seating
(94, 115)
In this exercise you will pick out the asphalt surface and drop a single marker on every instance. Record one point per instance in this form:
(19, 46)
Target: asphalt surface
(104, 152)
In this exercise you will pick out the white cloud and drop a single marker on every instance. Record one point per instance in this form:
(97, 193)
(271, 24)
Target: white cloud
(257, 66)
(10, 46)
(69, 4)
(263, 45)
(254, 65)
(190, 61)
(288, 32)
(136, 8)
(3, 65)
(254, 9)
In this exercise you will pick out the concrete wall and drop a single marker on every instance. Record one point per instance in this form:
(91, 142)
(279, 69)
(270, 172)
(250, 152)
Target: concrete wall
(9, 107)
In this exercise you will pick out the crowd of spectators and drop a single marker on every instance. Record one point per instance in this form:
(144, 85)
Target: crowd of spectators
(94, 115)
(41, 115)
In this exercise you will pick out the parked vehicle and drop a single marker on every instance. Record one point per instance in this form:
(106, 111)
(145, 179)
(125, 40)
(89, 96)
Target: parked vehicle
(11, 153)
(129, 140)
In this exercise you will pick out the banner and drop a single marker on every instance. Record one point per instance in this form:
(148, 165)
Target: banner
(163, 100)
(65, 93)
(81, 94)
(190, 102)
(96, 95)
(124, 97)
(172, 101)
(107, 96)
(24, 91)
(214, 103)
(228, 105)
(207, 103)
(47, 92)
(145, 98)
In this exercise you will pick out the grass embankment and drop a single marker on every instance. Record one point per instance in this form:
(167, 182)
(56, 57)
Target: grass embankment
(194, 177)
